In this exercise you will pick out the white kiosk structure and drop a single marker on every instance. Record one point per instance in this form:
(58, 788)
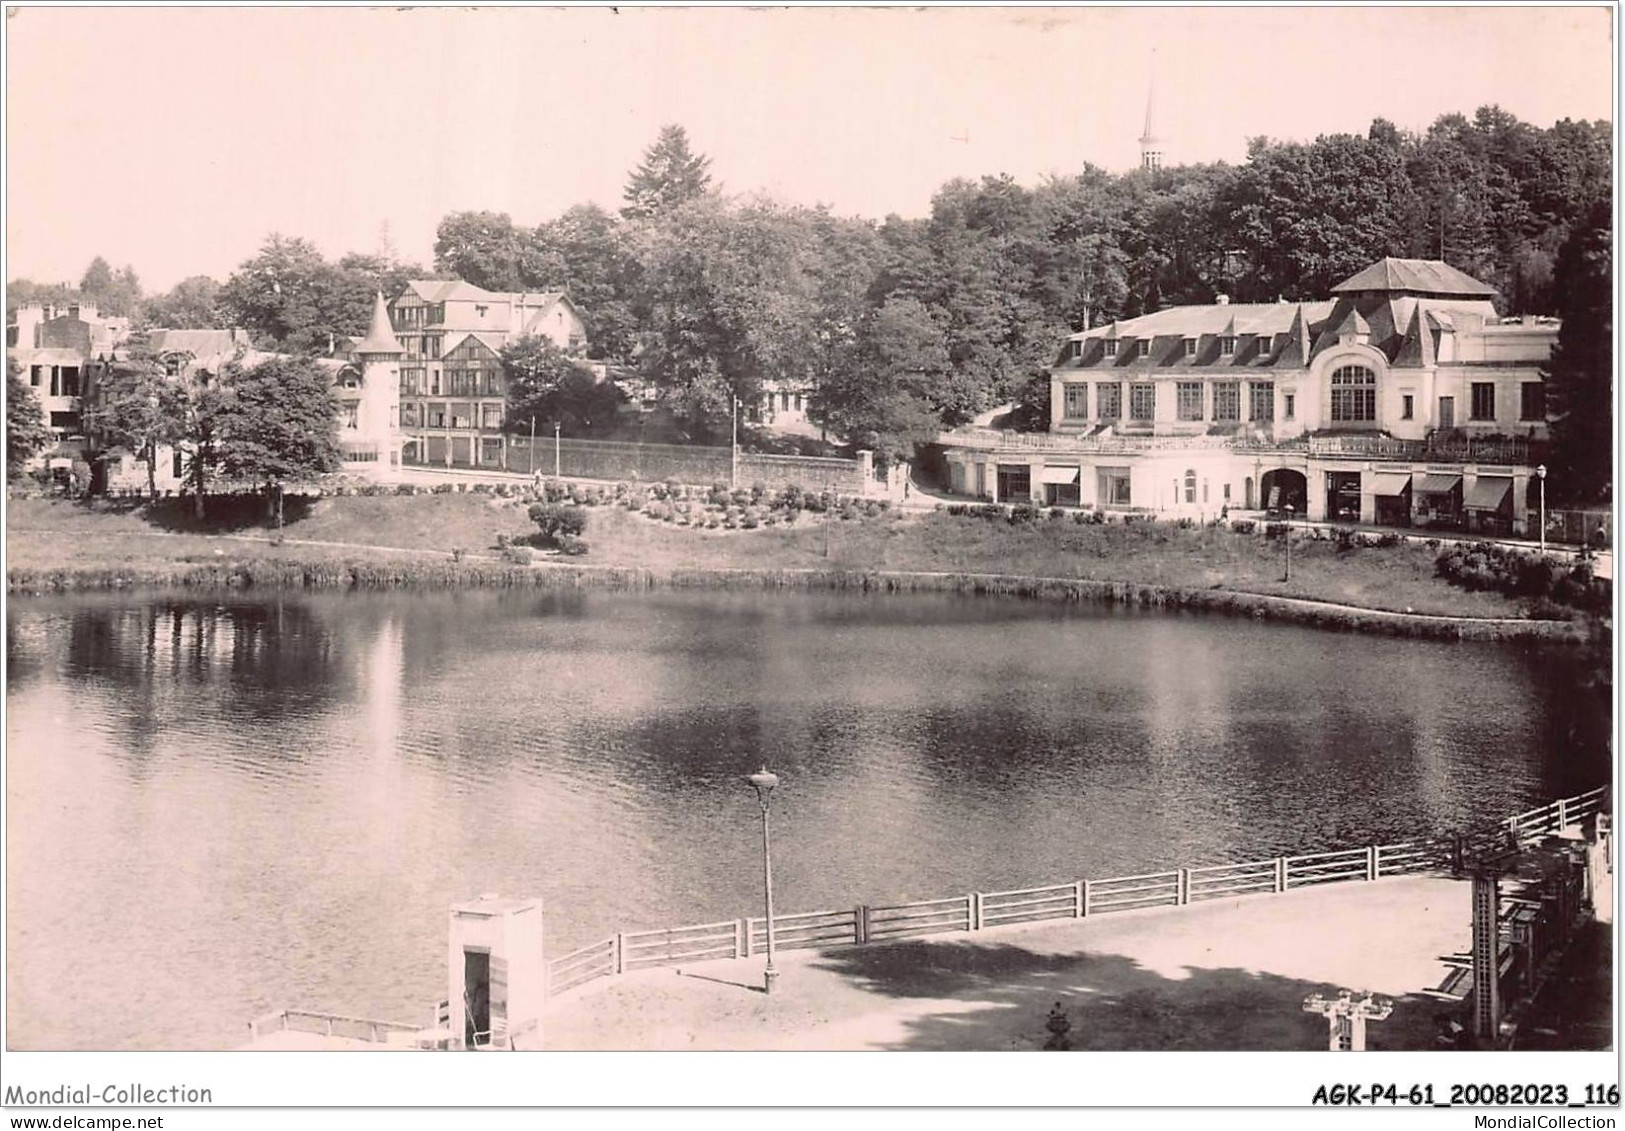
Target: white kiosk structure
(496, 974)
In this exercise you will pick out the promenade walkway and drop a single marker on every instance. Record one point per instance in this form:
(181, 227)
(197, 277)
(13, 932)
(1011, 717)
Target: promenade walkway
(1222, 975)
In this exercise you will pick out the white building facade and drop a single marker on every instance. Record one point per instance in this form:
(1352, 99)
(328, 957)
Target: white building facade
(1401, 400)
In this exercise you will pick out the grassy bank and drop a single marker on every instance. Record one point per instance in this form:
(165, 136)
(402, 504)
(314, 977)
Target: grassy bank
(385, 542)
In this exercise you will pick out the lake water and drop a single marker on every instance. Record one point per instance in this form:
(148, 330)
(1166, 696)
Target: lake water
(222, 806)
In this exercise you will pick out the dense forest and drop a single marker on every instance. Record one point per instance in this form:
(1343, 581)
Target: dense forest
(902, 325)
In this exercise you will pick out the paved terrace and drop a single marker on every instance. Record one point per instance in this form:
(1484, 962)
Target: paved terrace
(1219, 975)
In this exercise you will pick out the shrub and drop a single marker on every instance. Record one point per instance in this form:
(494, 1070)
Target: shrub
(457, 553)
(758, 491)
(438, 489)
(1244, 526)
(502, 541)
(557, 521)
(1186, 524)
(1544, 608)
(516, 555)
(792, 498)
(405, 489)
(1390, 539)
(1023, 513)
(572, 546)
(749, 522)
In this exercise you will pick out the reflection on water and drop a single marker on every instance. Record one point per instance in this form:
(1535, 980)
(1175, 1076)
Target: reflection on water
(223, 806)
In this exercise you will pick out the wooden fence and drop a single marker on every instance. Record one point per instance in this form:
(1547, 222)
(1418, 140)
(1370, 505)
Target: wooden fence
(975, 911)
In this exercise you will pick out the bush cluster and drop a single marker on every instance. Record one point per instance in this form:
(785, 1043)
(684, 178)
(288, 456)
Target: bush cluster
(559, 525)
(1545, 581)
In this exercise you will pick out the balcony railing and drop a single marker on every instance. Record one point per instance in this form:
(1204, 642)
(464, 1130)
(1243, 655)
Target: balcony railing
(1437, 449)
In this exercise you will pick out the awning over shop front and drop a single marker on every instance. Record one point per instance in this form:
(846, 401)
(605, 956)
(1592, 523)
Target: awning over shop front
(1390, 483)
(1058, 475)
(1438, 484)
(1487, 493)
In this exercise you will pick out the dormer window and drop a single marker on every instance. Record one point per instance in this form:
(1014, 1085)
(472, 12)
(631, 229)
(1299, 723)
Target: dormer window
(1227, 345)
(1111, 347)
(1190, 347)
(1266, 343)
(1143, 348)
(1077, 349)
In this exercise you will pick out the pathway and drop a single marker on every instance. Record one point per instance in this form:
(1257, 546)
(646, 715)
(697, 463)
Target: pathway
(1228, 974)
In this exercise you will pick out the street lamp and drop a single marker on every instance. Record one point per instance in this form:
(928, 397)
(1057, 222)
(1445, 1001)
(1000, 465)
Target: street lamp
(733, 465)
(1540, 473)
(556, 474)
(764, 781)
(1288, 576)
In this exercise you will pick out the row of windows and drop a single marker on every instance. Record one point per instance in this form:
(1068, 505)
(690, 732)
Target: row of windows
(1353, 400)
(1141, 347)
(411, 317)
(476, 382)
(1143, 399)
(459, 416)
(64, 379)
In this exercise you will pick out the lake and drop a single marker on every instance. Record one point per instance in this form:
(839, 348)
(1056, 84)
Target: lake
(222, 805)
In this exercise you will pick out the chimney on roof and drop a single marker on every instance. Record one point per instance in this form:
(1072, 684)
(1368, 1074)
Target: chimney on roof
(1222, 300)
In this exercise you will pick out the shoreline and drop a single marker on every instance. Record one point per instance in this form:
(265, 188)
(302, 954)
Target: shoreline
(286, 574)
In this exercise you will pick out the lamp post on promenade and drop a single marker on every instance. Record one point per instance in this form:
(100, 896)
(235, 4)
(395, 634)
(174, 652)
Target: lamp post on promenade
(1288, 576)
(531, 468)
(764, 781)
(733, 460)
(1540, 473)
(556, 474)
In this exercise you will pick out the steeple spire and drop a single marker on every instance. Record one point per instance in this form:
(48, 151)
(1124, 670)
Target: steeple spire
(380, 338)
(1150, 143)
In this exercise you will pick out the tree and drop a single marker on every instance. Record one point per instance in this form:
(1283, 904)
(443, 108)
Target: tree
(669, 176)
(727, 298)
(366, 275)
(198, 434)
(26, 292)
(292, 299)
(191, 304)
(277, 424)
(545, 388)
(137, 406)
(117, 294)
(482, 248)
(1579, 376)
(27, 434)
(587, 252)
(888, 394)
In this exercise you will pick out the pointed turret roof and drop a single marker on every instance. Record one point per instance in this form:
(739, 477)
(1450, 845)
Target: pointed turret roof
(1353, 323)
(380, 338)
(1416, 348)
(1150, 134)
(1298, 343)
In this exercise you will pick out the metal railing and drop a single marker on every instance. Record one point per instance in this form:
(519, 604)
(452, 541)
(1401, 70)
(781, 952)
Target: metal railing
(1434, 449)
(1077, 899)
(328, 1024)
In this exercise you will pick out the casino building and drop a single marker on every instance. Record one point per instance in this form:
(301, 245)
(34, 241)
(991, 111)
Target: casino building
(1401, 399)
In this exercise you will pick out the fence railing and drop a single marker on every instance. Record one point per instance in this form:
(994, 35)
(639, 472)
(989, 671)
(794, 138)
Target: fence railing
(327, 1024)
(1078, 899)
(1437, 449)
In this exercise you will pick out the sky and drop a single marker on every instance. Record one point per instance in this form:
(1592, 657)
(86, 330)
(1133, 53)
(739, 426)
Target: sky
(175, 140)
